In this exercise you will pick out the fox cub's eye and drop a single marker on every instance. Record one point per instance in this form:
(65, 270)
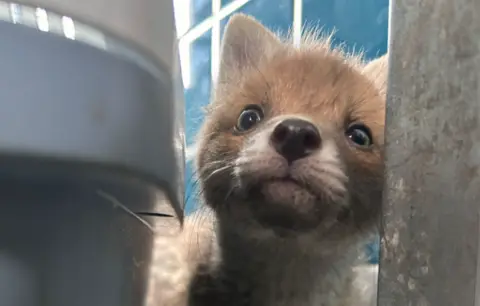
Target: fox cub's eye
(249, 117)
(359, 135)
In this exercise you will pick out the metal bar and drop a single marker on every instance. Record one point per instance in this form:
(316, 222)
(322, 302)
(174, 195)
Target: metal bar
(430, 225)
(297, 21)
(215, 44)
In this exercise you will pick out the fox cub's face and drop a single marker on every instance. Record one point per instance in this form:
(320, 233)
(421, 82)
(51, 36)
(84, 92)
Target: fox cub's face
(293, 139)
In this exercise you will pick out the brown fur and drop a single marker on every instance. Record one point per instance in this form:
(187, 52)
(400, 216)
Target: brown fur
(238, 258)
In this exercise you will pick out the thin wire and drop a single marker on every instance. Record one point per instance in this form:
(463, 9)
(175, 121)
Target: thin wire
(116, 203)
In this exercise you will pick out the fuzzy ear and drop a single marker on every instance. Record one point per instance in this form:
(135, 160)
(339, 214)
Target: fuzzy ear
(377, 72)
(245, 43)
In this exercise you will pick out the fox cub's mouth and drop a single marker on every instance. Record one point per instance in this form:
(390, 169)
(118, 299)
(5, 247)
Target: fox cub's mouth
(286, 206)
(291, 184)
(288, 191)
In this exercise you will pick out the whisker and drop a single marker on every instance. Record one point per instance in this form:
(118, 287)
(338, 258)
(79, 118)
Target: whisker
(216, 171)
(207, 173)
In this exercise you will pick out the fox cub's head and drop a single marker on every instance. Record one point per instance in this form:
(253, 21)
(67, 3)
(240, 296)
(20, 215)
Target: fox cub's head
(292, 141)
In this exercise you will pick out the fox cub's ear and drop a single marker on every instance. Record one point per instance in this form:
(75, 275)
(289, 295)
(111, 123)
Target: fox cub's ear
(377, 72)
(245, 43)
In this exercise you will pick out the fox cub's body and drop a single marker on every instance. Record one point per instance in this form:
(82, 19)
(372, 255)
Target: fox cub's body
(290, 163)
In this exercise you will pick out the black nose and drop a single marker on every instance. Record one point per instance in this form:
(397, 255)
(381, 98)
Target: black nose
(295, 139)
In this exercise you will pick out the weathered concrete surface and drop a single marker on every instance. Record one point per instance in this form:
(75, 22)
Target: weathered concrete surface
(432, 198)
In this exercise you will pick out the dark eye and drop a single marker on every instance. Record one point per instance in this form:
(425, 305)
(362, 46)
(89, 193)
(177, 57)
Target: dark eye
(360, 135)
(249, 117)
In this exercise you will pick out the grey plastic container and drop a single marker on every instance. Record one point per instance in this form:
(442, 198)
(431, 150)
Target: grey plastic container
(91, 155)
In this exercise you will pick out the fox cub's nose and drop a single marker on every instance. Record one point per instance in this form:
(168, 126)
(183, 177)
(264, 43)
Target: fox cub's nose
(295, 139)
